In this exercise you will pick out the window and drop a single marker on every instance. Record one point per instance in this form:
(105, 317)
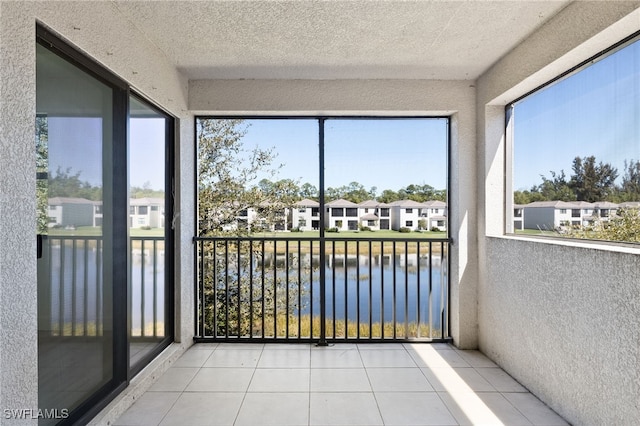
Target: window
(409, 210)
(384, 212)
(351, 212)
(408, 223)
(336, 212)
(576, 141)
(302, 210)
(142, 209)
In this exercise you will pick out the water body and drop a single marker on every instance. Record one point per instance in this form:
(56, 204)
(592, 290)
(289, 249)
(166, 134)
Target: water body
(381, 288)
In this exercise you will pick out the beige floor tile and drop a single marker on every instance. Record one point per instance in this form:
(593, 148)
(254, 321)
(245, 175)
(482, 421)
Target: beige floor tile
(387, 358)
(204, 408)
(457, 380)
(241, 346)
(242, 358)
(175, 379)
(345, 409)
(475, 358)
(501, 380)
(535, 410)
(413, 408)
(483, 408)
(339, 380)
(280, 380)
(221, 380)
(149, 409)
(204, 346)
(284, 359)
(277, 409)
(398, 380)
(193, 358)
(425, 356)
(336, 358)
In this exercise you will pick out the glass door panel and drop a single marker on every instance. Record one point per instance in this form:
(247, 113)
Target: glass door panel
(74, 134)
(148, 228)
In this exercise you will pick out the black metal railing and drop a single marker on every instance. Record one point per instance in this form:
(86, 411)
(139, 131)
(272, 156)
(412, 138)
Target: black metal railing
(74, 289)
(146, 287)
(286, 288)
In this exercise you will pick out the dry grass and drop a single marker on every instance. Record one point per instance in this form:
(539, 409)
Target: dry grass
(348, 329)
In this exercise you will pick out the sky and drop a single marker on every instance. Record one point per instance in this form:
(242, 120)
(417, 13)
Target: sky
(593, 112)
(381, 153)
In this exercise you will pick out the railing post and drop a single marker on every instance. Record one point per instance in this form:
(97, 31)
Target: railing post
(323, 294)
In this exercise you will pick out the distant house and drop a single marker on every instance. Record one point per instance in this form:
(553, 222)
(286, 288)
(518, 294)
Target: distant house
(146, 212)
(435, 213)
(407, 214)
(305, 215)
(73, 212)
(518, 217)
(548, 215)
(374, 215)
(342, 214)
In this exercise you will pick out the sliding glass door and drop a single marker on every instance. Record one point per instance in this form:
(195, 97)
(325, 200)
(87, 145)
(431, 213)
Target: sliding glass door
(74, 137)
(104, 247)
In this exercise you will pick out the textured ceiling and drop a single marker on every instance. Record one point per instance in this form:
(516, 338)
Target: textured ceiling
(337, 39)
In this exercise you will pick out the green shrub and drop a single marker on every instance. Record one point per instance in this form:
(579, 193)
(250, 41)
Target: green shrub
(404, 230)
(334, 229)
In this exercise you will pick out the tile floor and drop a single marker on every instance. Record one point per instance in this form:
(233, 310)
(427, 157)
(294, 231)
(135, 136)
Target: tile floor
(343, 384)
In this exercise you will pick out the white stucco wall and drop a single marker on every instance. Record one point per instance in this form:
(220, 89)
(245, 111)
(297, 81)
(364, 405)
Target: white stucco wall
(562, 319)
(98, 29)
(565, 322)
(382, 98)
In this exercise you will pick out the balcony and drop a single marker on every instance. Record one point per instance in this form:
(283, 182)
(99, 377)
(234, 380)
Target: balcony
(342, 384)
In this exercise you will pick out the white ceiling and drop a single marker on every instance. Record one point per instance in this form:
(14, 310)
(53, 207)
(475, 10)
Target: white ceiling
(361, 39)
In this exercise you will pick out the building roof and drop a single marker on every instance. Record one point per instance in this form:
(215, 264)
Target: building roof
(146, 201)
(605, 205)
(57, 201)
(407, 203)
(305, 202)
(553, 204)
(341, 203)
(369, 216)
(435, 203)
(630, 204)
(373, 204)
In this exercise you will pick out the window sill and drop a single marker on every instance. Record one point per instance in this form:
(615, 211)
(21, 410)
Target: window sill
(609, 246)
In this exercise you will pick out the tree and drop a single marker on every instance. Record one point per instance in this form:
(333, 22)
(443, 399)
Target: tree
(592, 182)
(309, 191)
(42, 184)
(388, 196)
(228, 185)
(556, 188)
(227, 172)
(630, 187)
